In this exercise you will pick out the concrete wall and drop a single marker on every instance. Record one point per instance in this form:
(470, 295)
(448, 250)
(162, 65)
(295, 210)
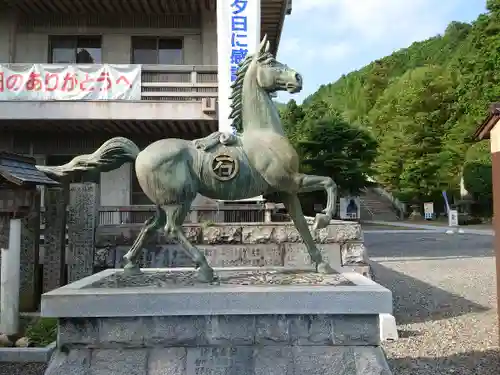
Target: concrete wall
(6, 37)
(209, 38)
(22, 44)
(116, 189)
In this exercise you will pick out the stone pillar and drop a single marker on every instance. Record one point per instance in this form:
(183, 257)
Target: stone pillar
(54, 233)
(4, 232)
(30, 285)
(495, 169)
(268, 212)
(115, 190)
(41, 160)
(245, 24)
(10, 281)
(209, 37)
(82, 218)
(30, 289)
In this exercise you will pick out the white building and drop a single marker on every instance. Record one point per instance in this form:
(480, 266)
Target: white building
(174, 44)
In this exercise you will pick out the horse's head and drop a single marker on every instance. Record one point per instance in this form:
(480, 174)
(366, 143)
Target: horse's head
(272, 75)
(257, 76)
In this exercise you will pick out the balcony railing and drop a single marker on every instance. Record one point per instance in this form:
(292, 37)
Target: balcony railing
(178, 82)
(137, 215)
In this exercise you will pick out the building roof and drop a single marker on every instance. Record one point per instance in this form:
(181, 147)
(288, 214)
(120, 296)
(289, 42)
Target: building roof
(483, 131)
(75, 12)
(21, 170)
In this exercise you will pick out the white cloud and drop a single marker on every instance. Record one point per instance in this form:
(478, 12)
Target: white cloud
(290, 45)
(406, 20)
(305, 5)
(310, 51)
(333, 52)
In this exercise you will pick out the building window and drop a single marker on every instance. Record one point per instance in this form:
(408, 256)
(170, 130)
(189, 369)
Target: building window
(75, 49)
(153, 50)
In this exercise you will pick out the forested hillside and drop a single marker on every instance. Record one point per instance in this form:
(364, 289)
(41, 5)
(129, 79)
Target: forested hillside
(422, 105)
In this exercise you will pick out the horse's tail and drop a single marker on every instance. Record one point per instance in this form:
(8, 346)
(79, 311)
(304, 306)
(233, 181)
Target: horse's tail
(110, 156)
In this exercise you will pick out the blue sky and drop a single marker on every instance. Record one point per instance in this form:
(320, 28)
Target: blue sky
(323, 39)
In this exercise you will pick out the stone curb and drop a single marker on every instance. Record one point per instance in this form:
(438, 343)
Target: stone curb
(27, 355)
(435, 228)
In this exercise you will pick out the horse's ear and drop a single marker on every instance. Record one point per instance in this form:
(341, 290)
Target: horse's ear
(267, 47)
(263, 44)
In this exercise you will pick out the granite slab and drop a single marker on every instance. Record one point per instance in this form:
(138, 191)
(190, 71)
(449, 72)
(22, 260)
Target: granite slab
(242, 291)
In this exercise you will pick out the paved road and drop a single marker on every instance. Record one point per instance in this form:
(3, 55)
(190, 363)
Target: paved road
(469, 229)
(444, 294)
(399, 245)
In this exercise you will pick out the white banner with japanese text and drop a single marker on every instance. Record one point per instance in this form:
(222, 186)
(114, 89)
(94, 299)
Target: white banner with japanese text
(238, 34)
(45, 82)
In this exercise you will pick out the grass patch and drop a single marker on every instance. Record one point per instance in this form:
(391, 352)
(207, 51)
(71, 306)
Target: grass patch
(41, 331)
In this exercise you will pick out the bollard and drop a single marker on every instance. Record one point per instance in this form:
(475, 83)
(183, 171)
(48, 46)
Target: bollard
(10, 281)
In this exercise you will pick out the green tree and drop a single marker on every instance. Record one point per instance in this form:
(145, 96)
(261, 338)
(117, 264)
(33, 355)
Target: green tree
(493, 6)
(332, 147)
(292, 116)
(477, 175)
(410, 118)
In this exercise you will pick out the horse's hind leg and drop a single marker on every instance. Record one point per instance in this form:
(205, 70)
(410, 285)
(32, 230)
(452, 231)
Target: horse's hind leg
(175, 218)
(149, 228)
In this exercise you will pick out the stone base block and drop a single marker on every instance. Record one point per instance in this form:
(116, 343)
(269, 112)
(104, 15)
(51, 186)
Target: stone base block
(238, 360)
(272, 321)
(221, 330)
(236, 245)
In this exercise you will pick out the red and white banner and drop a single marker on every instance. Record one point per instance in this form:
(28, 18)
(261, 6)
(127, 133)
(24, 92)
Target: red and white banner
(42, 82)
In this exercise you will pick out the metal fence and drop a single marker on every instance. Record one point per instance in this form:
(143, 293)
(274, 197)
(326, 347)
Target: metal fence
(254, 213)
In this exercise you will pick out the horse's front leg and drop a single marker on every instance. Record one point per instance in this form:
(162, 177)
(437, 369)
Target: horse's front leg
(310, 183)
(292, 205)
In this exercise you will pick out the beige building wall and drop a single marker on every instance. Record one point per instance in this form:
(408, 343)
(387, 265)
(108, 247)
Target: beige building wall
(21, 42)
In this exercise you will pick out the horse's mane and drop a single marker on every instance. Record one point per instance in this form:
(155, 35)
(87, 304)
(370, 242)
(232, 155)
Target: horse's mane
(237, 89)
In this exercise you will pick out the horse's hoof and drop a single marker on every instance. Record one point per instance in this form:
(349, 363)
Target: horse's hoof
(206, 274)
(325, 268)
(321, 221)
(132, 269)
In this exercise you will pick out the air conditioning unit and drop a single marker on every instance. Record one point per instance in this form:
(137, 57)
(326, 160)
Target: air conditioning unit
(209, 105)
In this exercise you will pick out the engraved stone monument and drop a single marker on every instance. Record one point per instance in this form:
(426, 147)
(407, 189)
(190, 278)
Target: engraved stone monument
(20, 199)
(254, 322)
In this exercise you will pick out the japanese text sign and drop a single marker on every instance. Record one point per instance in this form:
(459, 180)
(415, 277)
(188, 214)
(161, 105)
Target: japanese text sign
(70, 82)
(238, 34)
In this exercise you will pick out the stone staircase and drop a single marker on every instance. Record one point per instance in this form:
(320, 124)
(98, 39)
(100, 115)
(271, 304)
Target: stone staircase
(377, 207)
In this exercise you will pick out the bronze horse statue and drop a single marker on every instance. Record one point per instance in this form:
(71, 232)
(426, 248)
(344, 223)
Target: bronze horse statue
(258, 161)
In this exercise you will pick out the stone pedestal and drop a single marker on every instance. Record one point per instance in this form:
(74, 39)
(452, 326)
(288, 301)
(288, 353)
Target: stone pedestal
(255, 322)
(236, 245)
